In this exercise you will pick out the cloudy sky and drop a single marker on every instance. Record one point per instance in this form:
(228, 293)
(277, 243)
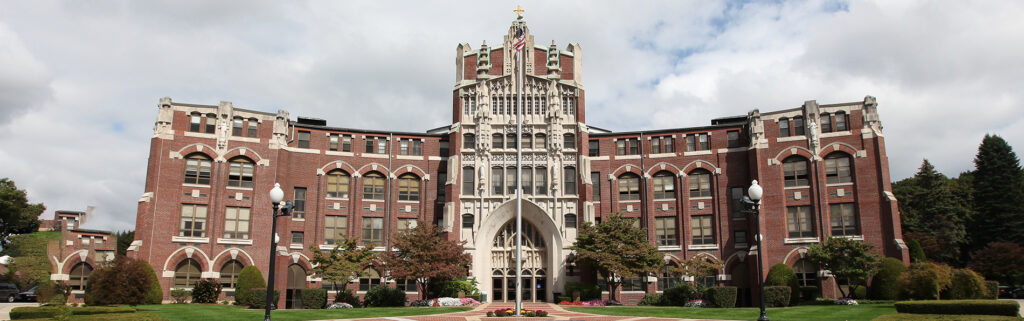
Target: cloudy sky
(80, 80)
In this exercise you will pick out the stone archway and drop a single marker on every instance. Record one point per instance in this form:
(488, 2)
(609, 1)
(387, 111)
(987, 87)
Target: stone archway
(494, 257)
(503, 264)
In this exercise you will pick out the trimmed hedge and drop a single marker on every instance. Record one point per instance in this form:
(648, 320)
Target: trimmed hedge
(966, 285)
(48, 312)
(933, 317)
(782, 274)
(982, 307)
(110, 317)
(721, 296)
(206, 291)
(384, 296)
(680, 294)
(993, 289)
(258, 298)
(345, 295)
(249, 278)
(314, 298)
(859, 292)
(650, 299)
(777, 296)
(587, 291)
(155, 294)
(885, 284)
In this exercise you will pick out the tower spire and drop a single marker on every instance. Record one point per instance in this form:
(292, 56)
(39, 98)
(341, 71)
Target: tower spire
(519, 12)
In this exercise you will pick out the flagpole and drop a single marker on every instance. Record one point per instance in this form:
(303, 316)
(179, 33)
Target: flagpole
(519, 182)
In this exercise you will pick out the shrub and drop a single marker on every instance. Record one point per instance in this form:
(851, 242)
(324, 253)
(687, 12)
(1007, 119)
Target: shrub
(916, 252)
(180, 295)
(123, 281)
(721, 296)
(808, 293)
(782, 275)
(249, 278)
(924, 281)
(314, 298)
(966, 285)
(982, 307)
(993, 289)
(777, 296)
(680, 294)
(49, 290)
(206, 291)
(384, 296)
(52, 311)
(346, 296)
(587, 291)
(651, 299)
(885, 285)
(858, 292)
(155, 294)
(258, 297)
(451, 288)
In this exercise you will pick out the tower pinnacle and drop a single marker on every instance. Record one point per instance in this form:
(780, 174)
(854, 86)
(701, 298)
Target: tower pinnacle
(519, 12)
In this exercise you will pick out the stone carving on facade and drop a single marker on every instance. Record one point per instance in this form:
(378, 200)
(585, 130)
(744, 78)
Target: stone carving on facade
(453, 171)
(223, 130)
(757, 138)
(871, 120)
(164, 118)
(280, 136)
(815, 142)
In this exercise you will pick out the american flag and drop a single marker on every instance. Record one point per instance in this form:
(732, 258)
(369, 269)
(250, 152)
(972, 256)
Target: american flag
(520, 40)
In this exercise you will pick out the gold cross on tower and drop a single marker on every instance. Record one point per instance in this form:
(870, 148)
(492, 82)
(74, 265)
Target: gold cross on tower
(519, 12)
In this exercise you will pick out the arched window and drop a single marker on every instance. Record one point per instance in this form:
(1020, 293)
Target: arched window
(337, 184)
(571, 221)
(497, 141)
(229, 274)
(510, 141)
(783, 127)
(841, 121)
(468, 181)
(240, 172)
(373, 186)
(540, 141)
(664, 185)
(197, 169)
(527, 141)
(408, 188)
(296, 277)
(837, 168)
(570, 141)
(794, 170)
(806, 273)
(467, 221)
(669, 276)
(186, 274)
(369, 279)
(79, 276)
(468, 141)
(629, 187)
(700, 183)
(570, 180)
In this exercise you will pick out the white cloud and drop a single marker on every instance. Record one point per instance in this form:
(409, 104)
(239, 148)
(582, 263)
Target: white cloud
(77, 93)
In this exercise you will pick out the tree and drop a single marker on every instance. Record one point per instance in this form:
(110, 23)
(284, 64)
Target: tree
(123, 281)
(998, 194)
(342, 263)
(849, 260)
(124, 239)
(699, 266)
(17, 216)
(422, 254)
(1000, 261)
(616, 248)
(934, 213)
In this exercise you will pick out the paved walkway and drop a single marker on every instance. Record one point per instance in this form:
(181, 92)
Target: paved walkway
(5, 308)
(479, 313)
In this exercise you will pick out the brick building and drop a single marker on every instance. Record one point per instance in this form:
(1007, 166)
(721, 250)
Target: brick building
(205, 212)
(79, 251)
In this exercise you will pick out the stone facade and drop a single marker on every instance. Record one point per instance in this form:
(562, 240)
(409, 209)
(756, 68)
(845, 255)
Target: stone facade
(221, 161)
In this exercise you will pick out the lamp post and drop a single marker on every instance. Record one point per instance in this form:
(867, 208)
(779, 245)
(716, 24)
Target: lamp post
(276, 196)
(753, 200)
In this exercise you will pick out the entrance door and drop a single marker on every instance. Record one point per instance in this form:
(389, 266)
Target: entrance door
(296, 282)
(740, 277)
(503, 254)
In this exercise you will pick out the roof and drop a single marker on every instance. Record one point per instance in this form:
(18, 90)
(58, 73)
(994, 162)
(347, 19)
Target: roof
(82, 230)
(382, 132)
(70, 212)
(668, 130)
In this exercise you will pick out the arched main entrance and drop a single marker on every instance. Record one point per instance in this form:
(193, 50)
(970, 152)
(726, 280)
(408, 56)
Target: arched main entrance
(296, 282)
(503, 264)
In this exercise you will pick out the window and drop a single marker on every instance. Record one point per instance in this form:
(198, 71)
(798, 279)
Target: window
(337, 184)
(335, 229)
(568, 105)
(406, 285)
(236, 127)
(595, 178)
(186, 274)
(700, 183)
(334, 142)
(405, 224)
(468, 181)
(701, 229)
(303, 140)
(734, 138)
(661, 144)
(629, 187)
(841, 121)
(627, 146)
(79, 276)
(240, 173)
(346, 143)
(236, 223)
(542, 180)
(229, 274)
(695, 142)
(795, 171)
(540, 141)
(739, 237)
(704, 142)
(195, 123)
(373, 231)
(377, 145)
(844, 219)
(251, 129)
(736, 194)
(498, 141)
(369, 144)
(382, 146)
(527, 180)
(197, 169)
(527, 141)
(467, 221)
(633, 284)
(510, 141)
(373, 186)
(193, 220)
(569, 141)
(570, 180)
(410, 146)
(510, 180)
(369, 279)
(497, 180)
(468, 105)
(798, 220)
(798, 126)
(665, 231)
(668, 277)
(664, 185)
(443, 148)
(571, 221)
(806, 273)
(468, 141)
(837, 169)
(826, 123)
(408, 188)
(299, 203)
(783, 127)
(594, 148)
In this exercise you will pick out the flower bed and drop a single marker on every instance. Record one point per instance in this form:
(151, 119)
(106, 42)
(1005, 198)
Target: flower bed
(340, 305)
(448, 302)
(846, 301)
(698, 303)
(511, 312)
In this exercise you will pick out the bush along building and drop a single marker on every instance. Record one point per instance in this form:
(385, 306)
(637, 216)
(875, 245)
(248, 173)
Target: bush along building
(205, 212)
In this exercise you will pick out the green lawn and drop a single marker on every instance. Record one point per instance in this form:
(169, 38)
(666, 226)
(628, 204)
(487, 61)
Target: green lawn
(808, 312)
(192, 312)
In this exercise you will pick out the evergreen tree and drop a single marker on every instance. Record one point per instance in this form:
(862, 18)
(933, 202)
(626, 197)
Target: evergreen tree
(934, 213)
(998, 194)
(17, 215)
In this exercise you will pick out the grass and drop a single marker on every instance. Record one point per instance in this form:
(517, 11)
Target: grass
(193, 312)
(922, 317)
(808, 312)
